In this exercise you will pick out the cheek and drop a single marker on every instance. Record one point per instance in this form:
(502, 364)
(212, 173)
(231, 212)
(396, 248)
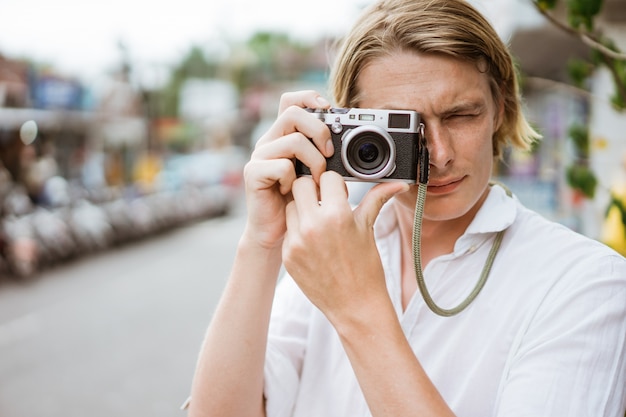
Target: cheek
(477, 145)
(482, 153)
(479, 162)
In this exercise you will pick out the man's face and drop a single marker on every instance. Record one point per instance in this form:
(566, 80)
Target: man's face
(460, 116)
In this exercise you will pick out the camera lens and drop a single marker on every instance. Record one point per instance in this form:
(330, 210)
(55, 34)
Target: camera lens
(368, 152)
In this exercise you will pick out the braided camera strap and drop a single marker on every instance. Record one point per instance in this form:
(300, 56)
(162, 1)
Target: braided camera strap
(417, 260)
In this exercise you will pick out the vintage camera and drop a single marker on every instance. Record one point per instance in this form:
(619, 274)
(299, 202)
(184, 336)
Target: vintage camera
(373, 144)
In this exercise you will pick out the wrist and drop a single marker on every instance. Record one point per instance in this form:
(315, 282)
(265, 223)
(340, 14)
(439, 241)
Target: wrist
(252, 246)
(366, 319)
(253, 239)
(262, 260)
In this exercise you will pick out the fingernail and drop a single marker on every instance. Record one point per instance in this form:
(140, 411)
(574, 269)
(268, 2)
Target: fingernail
(322, 101)
(330, 148)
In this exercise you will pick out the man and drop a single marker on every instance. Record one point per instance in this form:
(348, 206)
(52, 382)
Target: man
(347, 333)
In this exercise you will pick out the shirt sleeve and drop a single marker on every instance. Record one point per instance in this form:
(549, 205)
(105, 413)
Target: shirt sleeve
(571, 359)
(287, 338)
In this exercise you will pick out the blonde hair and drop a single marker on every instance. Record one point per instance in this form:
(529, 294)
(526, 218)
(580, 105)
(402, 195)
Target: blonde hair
(450, 27)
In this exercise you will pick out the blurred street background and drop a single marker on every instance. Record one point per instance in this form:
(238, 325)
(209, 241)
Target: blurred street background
(116, 333)
(124, 129)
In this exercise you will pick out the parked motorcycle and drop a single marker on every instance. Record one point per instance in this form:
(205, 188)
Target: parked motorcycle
(21, 246)
(53, 234)
(90, 227)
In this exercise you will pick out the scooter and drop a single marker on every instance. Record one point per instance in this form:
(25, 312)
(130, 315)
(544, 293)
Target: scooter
(21, 249)
(21, 246)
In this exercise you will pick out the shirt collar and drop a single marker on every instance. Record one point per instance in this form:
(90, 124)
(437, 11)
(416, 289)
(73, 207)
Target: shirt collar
(497, 213)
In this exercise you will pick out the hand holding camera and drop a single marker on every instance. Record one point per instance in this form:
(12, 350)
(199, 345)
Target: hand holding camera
(269, 175)
(371, 145)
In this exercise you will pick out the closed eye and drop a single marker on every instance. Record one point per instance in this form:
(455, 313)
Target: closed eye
(460, 116)
(466, 110)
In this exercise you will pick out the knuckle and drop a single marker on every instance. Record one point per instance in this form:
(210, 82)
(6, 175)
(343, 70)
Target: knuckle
(285, 167)
(291, 112)
(287, 97)
(309, 229)
(249, 169)
(337, 219)
(293, 249)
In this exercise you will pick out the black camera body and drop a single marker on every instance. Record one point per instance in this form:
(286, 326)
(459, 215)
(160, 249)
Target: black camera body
(374, 145)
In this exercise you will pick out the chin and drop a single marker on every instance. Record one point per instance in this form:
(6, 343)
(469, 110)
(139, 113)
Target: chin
(443, 215)
(439, 208)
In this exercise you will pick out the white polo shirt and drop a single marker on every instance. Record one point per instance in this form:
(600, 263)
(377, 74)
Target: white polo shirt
(545, 337)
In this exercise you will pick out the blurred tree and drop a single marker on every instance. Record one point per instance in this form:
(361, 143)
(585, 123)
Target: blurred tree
(581, 18)
(274, 57)
(193, 65)
(579, 175)
(266, 57)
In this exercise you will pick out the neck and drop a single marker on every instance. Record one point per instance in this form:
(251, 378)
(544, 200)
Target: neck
(438, 236)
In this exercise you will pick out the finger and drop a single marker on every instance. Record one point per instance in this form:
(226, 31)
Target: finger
(294, 145)
(333, 189)
(291, 213)
(265, 174)
(295, 119)
(307, 98)
(305, 194)
(293, 223)
(375, 199)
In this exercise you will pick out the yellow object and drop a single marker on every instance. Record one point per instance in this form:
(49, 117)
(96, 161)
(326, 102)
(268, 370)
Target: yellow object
(146, 169)
(613, 233)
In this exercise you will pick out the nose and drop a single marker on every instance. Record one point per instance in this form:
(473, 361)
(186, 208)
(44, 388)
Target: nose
(440, 147)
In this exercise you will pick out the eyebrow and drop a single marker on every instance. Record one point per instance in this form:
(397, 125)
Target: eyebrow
(466, 107)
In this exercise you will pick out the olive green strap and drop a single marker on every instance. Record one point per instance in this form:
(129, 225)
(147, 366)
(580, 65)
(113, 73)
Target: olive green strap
(417, 259)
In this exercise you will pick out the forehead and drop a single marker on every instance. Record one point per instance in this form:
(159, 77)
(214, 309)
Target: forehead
(422, 82)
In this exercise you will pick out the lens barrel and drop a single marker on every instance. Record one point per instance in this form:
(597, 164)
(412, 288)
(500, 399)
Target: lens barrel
(368, 152)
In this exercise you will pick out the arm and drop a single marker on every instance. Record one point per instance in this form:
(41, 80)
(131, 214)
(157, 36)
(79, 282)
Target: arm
(233, 352)
(330, 252)
(389, 373)
(229, 376)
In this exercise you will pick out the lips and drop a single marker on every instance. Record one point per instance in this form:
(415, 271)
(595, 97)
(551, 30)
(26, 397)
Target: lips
(444, 186)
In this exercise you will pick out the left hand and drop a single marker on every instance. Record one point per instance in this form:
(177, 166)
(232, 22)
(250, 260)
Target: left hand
(329, 249)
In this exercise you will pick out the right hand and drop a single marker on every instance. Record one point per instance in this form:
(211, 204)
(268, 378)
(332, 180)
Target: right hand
(270, 173)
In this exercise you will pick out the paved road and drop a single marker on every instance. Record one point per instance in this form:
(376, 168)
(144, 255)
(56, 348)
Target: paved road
(117, 333)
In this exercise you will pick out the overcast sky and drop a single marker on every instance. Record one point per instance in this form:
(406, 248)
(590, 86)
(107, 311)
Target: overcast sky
(80, 37)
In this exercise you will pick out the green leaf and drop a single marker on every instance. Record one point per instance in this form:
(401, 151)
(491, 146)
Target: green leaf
(580, 136)
(579, 70)
(581, 178)
(582, 12)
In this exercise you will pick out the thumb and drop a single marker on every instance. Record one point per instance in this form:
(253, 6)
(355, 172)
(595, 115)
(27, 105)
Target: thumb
(367, 211)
